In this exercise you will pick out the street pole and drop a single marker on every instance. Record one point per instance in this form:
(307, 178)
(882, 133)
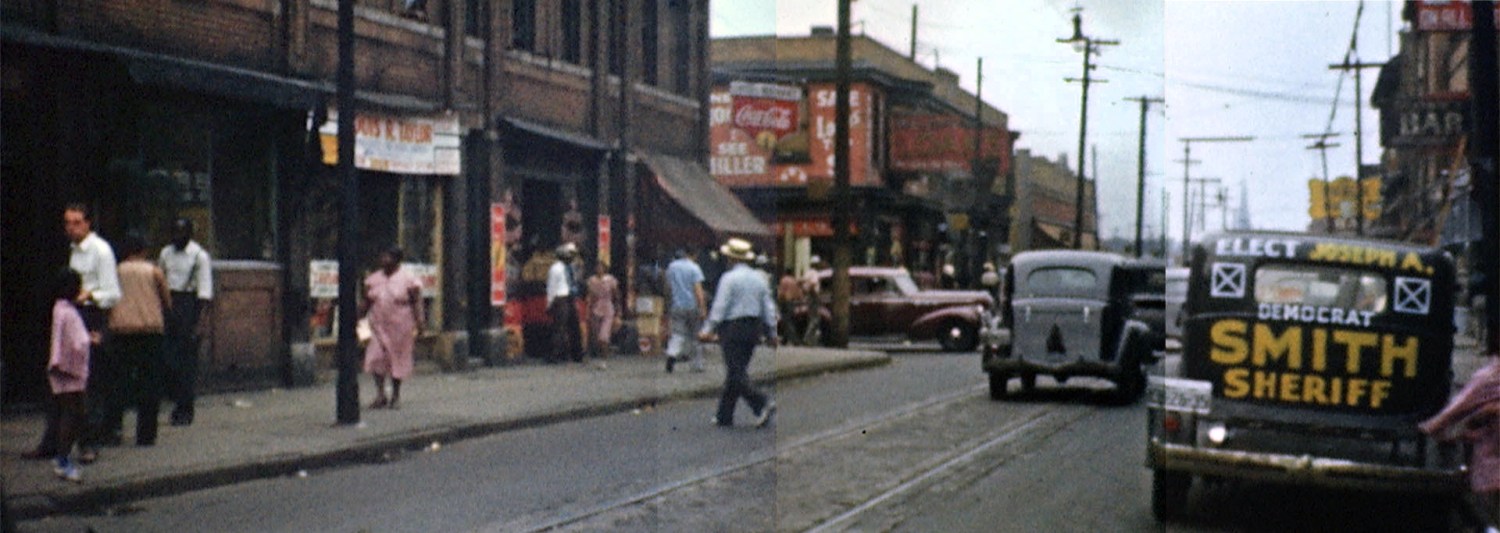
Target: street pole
(1140, 175)
(842, 254)
(1187, 161)
(1089, 48)
(1484, 89)
(1359, 145)
(347, 387)
(1322, 147)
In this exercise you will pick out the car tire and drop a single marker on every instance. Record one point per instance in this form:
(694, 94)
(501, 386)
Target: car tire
(998, 383)
(1028, 382)
(959, 337)
(1169, 492)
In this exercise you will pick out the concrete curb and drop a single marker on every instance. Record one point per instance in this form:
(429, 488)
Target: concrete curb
(40, 505)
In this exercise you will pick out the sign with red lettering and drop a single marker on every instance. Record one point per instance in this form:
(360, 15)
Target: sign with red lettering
(402, 145)
(765, 111)
(1446, 15)
(497, 254)
(943, 143)
(604, 239)
(740, 157)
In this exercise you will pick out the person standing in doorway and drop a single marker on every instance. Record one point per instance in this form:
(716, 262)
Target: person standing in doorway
(603, 294)
(689, 306)
(743, 313)
(189, 273)
(562, 306)
(94, 261)
(393, 299)
(137, 327)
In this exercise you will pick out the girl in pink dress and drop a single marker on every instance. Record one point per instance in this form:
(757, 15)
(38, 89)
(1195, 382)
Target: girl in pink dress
(68, 372)
(393, 298)
(603, 291)
(1474, 415)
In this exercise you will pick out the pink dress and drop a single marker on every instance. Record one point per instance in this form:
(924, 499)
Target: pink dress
(393, 323)
(1483, 430)
(70, 350)
(602, 292)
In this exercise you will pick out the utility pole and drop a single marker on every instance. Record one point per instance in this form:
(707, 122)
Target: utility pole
(1140, 174)
(1166, 199)
(1089, 46)
(1201, 213)
(347, 388)
(842, 254)
(1322, 145)
(1187, 161)
(1484, 89)
(976, 165)
(1359, 145)
(913, 55)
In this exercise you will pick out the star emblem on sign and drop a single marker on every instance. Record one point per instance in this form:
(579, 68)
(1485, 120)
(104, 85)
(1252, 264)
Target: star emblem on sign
(1413, 295)
(1228, 281)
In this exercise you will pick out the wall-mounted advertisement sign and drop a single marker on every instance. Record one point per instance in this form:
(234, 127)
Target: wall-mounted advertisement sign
(751, 147)
(402, 145)
(497, 254)
(925, 142)
(1446, 15)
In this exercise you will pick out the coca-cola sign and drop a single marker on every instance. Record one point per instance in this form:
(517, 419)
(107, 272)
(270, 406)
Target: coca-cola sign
(764, 107)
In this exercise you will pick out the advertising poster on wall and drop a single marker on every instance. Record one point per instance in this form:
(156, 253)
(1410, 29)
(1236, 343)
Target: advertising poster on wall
(751, 146)
(497, 254)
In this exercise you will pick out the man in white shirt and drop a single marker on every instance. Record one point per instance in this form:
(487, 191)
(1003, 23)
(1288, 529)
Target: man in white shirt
(562, 293)
(94, 260)
(189, 272)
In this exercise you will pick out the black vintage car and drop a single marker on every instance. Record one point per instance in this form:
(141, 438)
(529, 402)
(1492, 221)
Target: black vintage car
(1307, 360)
(1077, 313)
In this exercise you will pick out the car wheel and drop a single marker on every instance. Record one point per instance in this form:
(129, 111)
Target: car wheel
(1131, 384)
(998, 383)
(959, 337)
(1028, 382)
(1169, 491)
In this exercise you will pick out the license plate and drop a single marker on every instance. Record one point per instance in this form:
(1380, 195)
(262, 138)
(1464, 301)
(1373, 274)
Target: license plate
(1176, 394)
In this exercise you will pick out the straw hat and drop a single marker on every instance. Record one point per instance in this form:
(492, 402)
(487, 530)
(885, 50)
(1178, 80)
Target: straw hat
(567, 250)
(738, 249)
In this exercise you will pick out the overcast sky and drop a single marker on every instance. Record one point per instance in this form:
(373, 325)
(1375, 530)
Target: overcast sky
(1226, 68)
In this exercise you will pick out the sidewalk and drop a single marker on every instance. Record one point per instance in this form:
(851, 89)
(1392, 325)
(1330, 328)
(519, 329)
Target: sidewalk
(250, 435)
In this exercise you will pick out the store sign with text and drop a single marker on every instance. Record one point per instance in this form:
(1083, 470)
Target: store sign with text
(751, 145)
(1446, 15)
(401, 145)
(943, 143)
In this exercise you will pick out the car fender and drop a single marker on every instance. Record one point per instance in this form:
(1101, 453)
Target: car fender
(1133, 332)
(929, 325)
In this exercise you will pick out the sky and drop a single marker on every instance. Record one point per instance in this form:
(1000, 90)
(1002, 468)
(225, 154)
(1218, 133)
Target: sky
(1225, 68)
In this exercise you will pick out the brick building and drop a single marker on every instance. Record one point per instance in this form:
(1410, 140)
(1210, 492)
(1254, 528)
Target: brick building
(1045, 213)
(222, 111)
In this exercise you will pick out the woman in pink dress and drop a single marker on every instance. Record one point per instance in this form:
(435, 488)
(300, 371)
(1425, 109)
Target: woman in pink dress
(393, 298)
(603, 291)
(1474, 415)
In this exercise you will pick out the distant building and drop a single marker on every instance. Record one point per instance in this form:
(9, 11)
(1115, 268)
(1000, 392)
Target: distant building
(1045, 212)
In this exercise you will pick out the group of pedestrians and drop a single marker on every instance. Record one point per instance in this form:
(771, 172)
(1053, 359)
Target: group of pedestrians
(123, 333)
(599, 296)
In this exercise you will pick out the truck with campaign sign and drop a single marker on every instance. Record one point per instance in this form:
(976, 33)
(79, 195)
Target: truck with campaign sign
(1307, 359)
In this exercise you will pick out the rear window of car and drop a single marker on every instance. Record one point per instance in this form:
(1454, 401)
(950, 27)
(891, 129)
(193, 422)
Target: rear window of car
(1060, 280)
(1321, 286)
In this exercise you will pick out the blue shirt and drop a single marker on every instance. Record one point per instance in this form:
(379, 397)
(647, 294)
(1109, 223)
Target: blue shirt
(682, 276)
(743, 292)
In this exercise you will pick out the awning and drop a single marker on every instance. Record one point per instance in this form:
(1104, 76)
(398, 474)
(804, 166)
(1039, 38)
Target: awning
(556, 134)
(690, 184)
(161, 70)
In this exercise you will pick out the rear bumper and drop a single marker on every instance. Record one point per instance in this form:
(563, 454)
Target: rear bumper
(1078, 367)
(1302, 469)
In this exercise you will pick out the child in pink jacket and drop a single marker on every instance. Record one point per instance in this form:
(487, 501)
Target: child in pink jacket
(68, 371)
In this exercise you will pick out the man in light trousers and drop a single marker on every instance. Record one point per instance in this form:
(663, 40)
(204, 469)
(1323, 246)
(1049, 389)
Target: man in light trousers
(687, 309)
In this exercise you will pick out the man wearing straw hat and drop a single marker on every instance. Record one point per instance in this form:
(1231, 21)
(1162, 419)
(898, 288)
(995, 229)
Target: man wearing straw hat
(743, 312)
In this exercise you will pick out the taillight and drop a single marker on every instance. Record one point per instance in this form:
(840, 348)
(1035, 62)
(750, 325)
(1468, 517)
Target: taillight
(1172, 423)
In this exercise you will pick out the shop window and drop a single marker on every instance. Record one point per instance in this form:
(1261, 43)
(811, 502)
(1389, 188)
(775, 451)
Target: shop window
(523, 24)
(572, 31)
(649, 37)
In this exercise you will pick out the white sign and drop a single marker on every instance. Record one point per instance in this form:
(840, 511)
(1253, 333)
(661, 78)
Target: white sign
(1228, 280)
(402, 145)
(1413, 295)
(323, 278)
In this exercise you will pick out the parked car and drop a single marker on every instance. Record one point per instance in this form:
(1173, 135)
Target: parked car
(1308, 360)
(885, 300)
(1177, 288)
(1146, 285)
(1075, 313)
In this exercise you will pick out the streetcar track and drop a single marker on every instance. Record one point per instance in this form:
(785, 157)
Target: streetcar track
(855, 426)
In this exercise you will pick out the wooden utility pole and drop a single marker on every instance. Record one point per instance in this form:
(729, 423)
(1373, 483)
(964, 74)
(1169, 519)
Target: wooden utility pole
(1090, 46)
(346, 390)
(1187, 162)
(913, 55)
(842, 254)
(1322, 145)
(1359, 145)
(1140, 174)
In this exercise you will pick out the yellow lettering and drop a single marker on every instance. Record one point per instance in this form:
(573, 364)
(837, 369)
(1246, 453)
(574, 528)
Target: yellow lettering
(1413, 263)
(1320, 349)
(1321, 252)
(1269, 346)
(1229, 342)
(1236, 382)
(1265, 384)
(1290, 384)
(1312, 390)
(1407, 353)
(1355, 341)
(1356, 390)
(1387, 258)
(1336, 392)
(1379, 391)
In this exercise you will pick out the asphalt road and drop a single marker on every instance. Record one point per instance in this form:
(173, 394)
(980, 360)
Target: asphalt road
(914, 446)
